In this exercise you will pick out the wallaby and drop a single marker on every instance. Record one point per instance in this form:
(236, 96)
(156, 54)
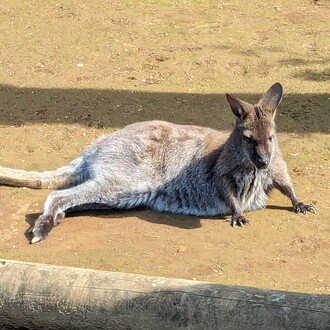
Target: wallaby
(173, 168)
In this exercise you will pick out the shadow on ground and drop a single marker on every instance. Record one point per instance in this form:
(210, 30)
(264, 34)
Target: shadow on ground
(301, 113)
(313, 75)
(162, 218)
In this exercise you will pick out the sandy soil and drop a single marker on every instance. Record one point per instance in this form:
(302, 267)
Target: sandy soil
(73, 70)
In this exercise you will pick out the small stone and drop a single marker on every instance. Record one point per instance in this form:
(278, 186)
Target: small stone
(181, 248)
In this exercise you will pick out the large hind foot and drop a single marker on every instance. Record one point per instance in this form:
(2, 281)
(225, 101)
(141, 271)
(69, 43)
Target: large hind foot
(43, 225)
(85, 195)
(42, 228)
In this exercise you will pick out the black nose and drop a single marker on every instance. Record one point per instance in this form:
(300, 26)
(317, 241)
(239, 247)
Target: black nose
(262, 161)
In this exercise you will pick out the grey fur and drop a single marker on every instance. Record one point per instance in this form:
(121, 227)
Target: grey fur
(173, 168)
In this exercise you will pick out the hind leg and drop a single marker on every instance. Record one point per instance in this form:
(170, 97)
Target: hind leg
(84, 196)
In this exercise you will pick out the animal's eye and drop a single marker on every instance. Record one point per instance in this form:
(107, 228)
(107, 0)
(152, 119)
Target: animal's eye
(271, 138)
(248, 139)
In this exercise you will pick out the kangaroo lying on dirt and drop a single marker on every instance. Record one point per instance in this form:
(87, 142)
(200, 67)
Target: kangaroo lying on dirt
(172, 168)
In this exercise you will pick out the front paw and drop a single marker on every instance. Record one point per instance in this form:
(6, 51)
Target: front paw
(304, 208)
(239, 220)
(42, 227)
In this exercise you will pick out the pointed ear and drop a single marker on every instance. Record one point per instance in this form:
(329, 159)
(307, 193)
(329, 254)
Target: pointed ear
(272, 98)
(238, 107)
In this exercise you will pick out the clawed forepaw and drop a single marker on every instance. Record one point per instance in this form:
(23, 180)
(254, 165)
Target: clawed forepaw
(304, 208)
(239, 221)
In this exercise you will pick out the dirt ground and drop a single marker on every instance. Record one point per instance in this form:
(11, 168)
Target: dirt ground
(73, 70)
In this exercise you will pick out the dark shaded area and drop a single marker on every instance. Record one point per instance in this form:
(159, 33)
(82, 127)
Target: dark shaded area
(313, 75)
(300, 61)
(303, 113)
(162, 218)
(9, 327)
(277, 207)
(308, 74)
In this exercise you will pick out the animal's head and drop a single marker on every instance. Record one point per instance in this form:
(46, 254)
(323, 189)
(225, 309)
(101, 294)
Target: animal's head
(256, 127)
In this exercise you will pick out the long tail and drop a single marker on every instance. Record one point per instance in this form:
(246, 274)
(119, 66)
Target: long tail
(71, 174)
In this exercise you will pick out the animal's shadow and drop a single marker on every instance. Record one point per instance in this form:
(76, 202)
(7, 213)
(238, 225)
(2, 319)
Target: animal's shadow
(162, 218)
(277, 207)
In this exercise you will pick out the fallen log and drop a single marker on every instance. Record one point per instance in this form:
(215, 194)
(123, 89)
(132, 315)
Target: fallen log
(37, 296)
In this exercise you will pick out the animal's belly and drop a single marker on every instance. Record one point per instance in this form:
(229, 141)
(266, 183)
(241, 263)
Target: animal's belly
(176, 202)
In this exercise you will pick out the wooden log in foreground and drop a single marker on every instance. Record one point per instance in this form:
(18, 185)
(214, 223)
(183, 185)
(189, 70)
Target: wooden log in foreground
(53, 297)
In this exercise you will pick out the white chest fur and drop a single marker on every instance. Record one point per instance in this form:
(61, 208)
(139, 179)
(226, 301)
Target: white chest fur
(250, 189)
